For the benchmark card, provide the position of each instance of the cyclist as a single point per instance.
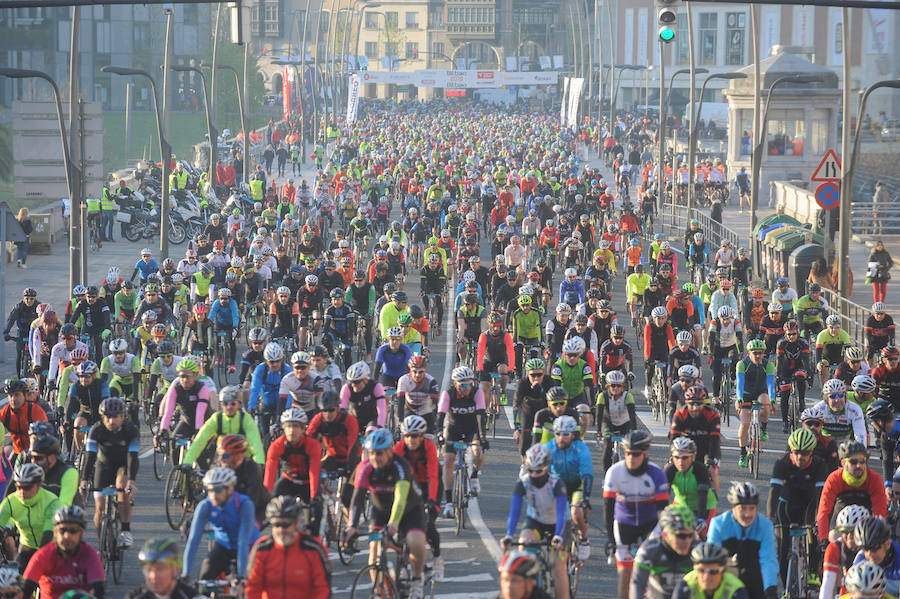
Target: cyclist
(198, 333)
(881, 415)
(873, 536)
(96, 319)
(231, 419)
(64, 564)
(855, 483)
(726, 335)
(722, 297)
(784, 296)
(61, 355)
(365, 393)
(662, 561)
(339, 325)
(309, 302)
(615, 354)
(189, 393)
(18, 414)
(253, 356)
(231, 516)
(843, 419)
(826, 447)
(396, 502)
(701, 423)
(709, 578)
(60, 478)
(422, 455)
(324, 369)
(887, 376)
(293, 462)
(470, 321)
(659, 339)
(749, 538)
(771, 328)
(573, 373)
(791, 368)
(161, 564)
(30, 507)
(851, 366)
(797, 481)
(879, 331)
(265, 388)
(225, 317)
(811, 307)
(830, 344)
(118, 371)
(232, 451)
(300, 387)
(635, 490)
(532, 394)
(460, 417)
(839, 555)
(495, 354)
(689, 481)
(389, 315)
(755, 384)
(288, 559)
(526, 328)
(573, 465)
(546, 514)
(361, 297)
(22, 315)
(417, 393)
(688, 376)
(338, 432)
(615, 414)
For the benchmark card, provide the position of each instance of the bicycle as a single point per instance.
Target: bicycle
(755, 440)
(796, 582)
(493, 407)
(795, 408)
(545, 558)
(725, 393)
(659, 400)
(110, 553)
(334, 519)
(460, 495)
(389, 578)
(94, 236)
(183, 488)
(161, 454)
(431, 300)
(215, 589)
(222, 354)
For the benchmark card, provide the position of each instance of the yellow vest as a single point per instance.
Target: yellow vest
(106, 200)
(256, 190)
(178, 180)
(93, 205)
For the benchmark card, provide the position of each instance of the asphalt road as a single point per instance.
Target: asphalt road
(472, 556)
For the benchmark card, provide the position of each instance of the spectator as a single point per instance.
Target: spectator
(22, 246)
(269, 157)
(819, 274)
(880, 198)
(880, 264)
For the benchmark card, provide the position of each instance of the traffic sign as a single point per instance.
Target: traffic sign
(828, 195)
(829, 168)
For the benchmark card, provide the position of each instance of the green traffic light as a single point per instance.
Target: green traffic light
(666, 34)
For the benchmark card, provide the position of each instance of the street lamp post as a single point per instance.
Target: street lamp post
(165, 150)
(617, 79)
(240, 98)
(73, 177)
(692, 141)
(663, 105)
(210, 126)
(849, 171)
(757, 153)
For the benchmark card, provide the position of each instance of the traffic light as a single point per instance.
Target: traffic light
(667, 19)
(415, 53)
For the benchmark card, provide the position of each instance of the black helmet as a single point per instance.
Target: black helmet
(67, 330)
(319, 351)
(166, 347)
(871, 532)
(283, 506)
(742, 493)
(112, 406)
(637, 439)
(399, 296)
(46, 444)
(557, 394)
(851, 447)
(880, 409)
(70, 514)
(709, 553)
(416, 311)
(328, 400)
(814, 287)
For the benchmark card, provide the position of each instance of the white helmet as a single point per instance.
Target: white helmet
(462, 373)
(395, 332)
(571, 272)
(117, 345)
(684, 337)
(294, 414)
(573, 345)
(865, 578)
(659, 311)
(10, 578)
(413, 424)
(689, 370)
(833, 386)
(537, 457)
(273, 352)
(615, 377)
(468, 276)
(220, 477)
(726, 312)
(358, 371)
(850, 516)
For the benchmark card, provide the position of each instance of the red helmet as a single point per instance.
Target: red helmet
(726, 284)
(200, 309)
(695, 392)
(232, 444)
(890, 351)
(218, 243)
(417, 363)
(758, 293)
(121, 182)
(534, 276)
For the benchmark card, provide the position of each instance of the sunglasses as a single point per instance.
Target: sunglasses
(151, 294)
(418, 371)
(634, 453)
(283, 524)
(215, 489)
(562, 434)
(619, 385)
(838, 395)
(801, 453)
(710, 571)
(66, 530)
(573, 355)
(686, 379)
(558, 404)
(757, 352)
(813, 423)
(695, 403)
(38, 458)
(186, 376)
(26, 487)
(413, 435)
(536, 375)
(684, 535)
(67, 337)
(537, 470)
(855, 361)
(301, 366)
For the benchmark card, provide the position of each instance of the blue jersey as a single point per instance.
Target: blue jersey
(394, 364)
(265, 384)
(573, 465)
(636, 497)
(754, 547)
(145, 269)
(571, 291)
(225, 316)
(234, 528)
(891, 570)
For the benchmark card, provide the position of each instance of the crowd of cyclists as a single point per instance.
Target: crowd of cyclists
(283, 353)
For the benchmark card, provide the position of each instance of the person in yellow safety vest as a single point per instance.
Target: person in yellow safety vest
(93, 215)
(257, 190)
(178, 180)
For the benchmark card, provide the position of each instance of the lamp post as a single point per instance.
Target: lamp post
(73, 176)
(849, 171)
(700, 71)
(210, 127)
(165, 150)
(240, 98)
(757, 152)
(618, 78)
(692, 141)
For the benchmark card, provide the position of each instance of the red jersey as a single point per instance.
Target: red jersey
(338, 436)
(56, 574)
(300, 464)
(17, 423)
(424, 462)
(836, 486)
(276, 572)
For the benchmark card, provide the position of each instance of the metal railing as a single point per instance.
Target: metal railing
(674, 219)
(716, 232)
(868, 220)
(853, 316)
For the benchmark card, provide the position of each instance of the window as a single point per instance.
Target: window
(786, 132)
(435, 19)
(412, 50)
(819, 134)
(437, 48)
(452, 15)
(682, 50)
(746, 139)
(372, 20)
(708, 33)
(412, 20)
(272, 22)
(141, 37)
(391, 20)
(371, 49)
(255, 12)
(101, 38)
(734, 35)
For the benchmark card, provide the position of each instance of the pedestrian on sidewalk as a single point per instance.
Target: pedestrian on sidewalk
(880, 199)
(880, 264)
(820, 274)
(22, 246)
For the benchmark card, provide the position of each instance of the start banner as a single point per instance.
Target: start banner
(473, 78)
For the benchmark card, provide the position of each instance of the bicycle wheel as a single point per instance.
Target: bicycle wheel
(382, 588)
(176, 501)
(105, 556)
(459, 489)
(754, 450)
(792, 579)
(573, 569)
(116, 557)
(725, 398)
(159, 462)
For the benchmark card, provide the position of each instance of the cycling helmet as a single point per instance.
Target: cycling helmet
(161, 551)
(112, 406)
(318, 351)
(726, 312)
(300, 357)
(684, 337)
(328, 401)
(335, 293)
(689, 370)
(396, 332)
(28, 474)
(40, 427)
(865, 578)
(756, 345)
(224, 293)
(791, 326)
(890, 351)
(615, 377)
(594, 293)
(312, 280)
(416, 311)
(813, 287)
(462, 373)
(188, 364)
(79, 290)
(520, 563)
(581, 319)
(70, 514)
(284, 507)
(46, 444)
(294, 414)
(468, 276)
(676, 517)
(537, 457)
(573, 345)
(853, 353)
(118, 345)
(782, 282)
(604, 304)
(727, 284)
(534, 364)
(741, 493)
(401, 297)
(758, 293)
(557, 394)
(833, 386)
(683, 445)
(283, 290)
(802, 439)
(199, 309)
(358, 371)
(871, 532)
(220, 477)
(637, 439)
(233, 444)
(659, 312)
(86, 368)
(850, 516)
(688, 288)
(78, 354)
(76, 594)
(68, 330)
(617, 331)
(378, 439)
(206, 269)
(31, 292)
(565, 424)
(851, 447)
(31, 385)
(571, 272)
(709, 553)
(880, 409)
(665, 245)
(417, 363)
(878, 307)
(257, 335)
(833, 320)
(813, 414)
(273, 352)
(413, 425)
(697, 392)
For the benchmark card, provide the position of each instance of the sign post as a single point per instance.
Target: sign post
(828, 193)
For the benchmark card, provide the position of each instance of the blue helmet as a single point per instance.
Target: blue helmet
(635, 242)
(379, 439)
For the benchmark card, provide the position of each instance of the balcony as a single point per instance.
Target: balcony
(471, 19)
(471, 31)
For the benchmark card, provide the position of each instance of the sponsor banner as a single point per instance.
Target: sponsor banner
(429, 78)
(459, 79)
(478, 78)
(287, 77)
(574, 100)
(563, 105)
(352, 99)
(528, 78)
(456, 79)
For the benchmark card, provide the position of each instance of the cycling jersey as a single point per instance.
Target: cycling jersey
(573, 465)
(755, 379)
(888, 385)
(368, 404)
(461, 411)
(292, 390)
(545, 500)
(635, 286)
(842, 425)
(338, 437)
(572, 378)
(637, 496)
(84, 400)
(277, 572)
(392, 363)
(234, 528)
(658, 569)
(220, 424)
(838, 558)
(494, 350)
(392, 490)
(471, 321)
(266, 385)
(615, 356)
(705, 431)
(679, 358)
(56, 573)
(815, 308)
(795, 489)
(122, 372)
(841, 490)
(785, 299)
(753, 547)
(193, 402)
(526, 325)
(424, 462)
(112, 450)
(299, 463)
(420, 398)
(722, 336)
(879, 333)
(693, 489)
(720, 299)
(731, 587)
(33, 517)
(831, 347)
(615, 411)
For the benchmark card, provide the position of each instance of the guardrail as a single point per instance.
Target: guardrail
(674, 218)
(867, 219)
(853, 316)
